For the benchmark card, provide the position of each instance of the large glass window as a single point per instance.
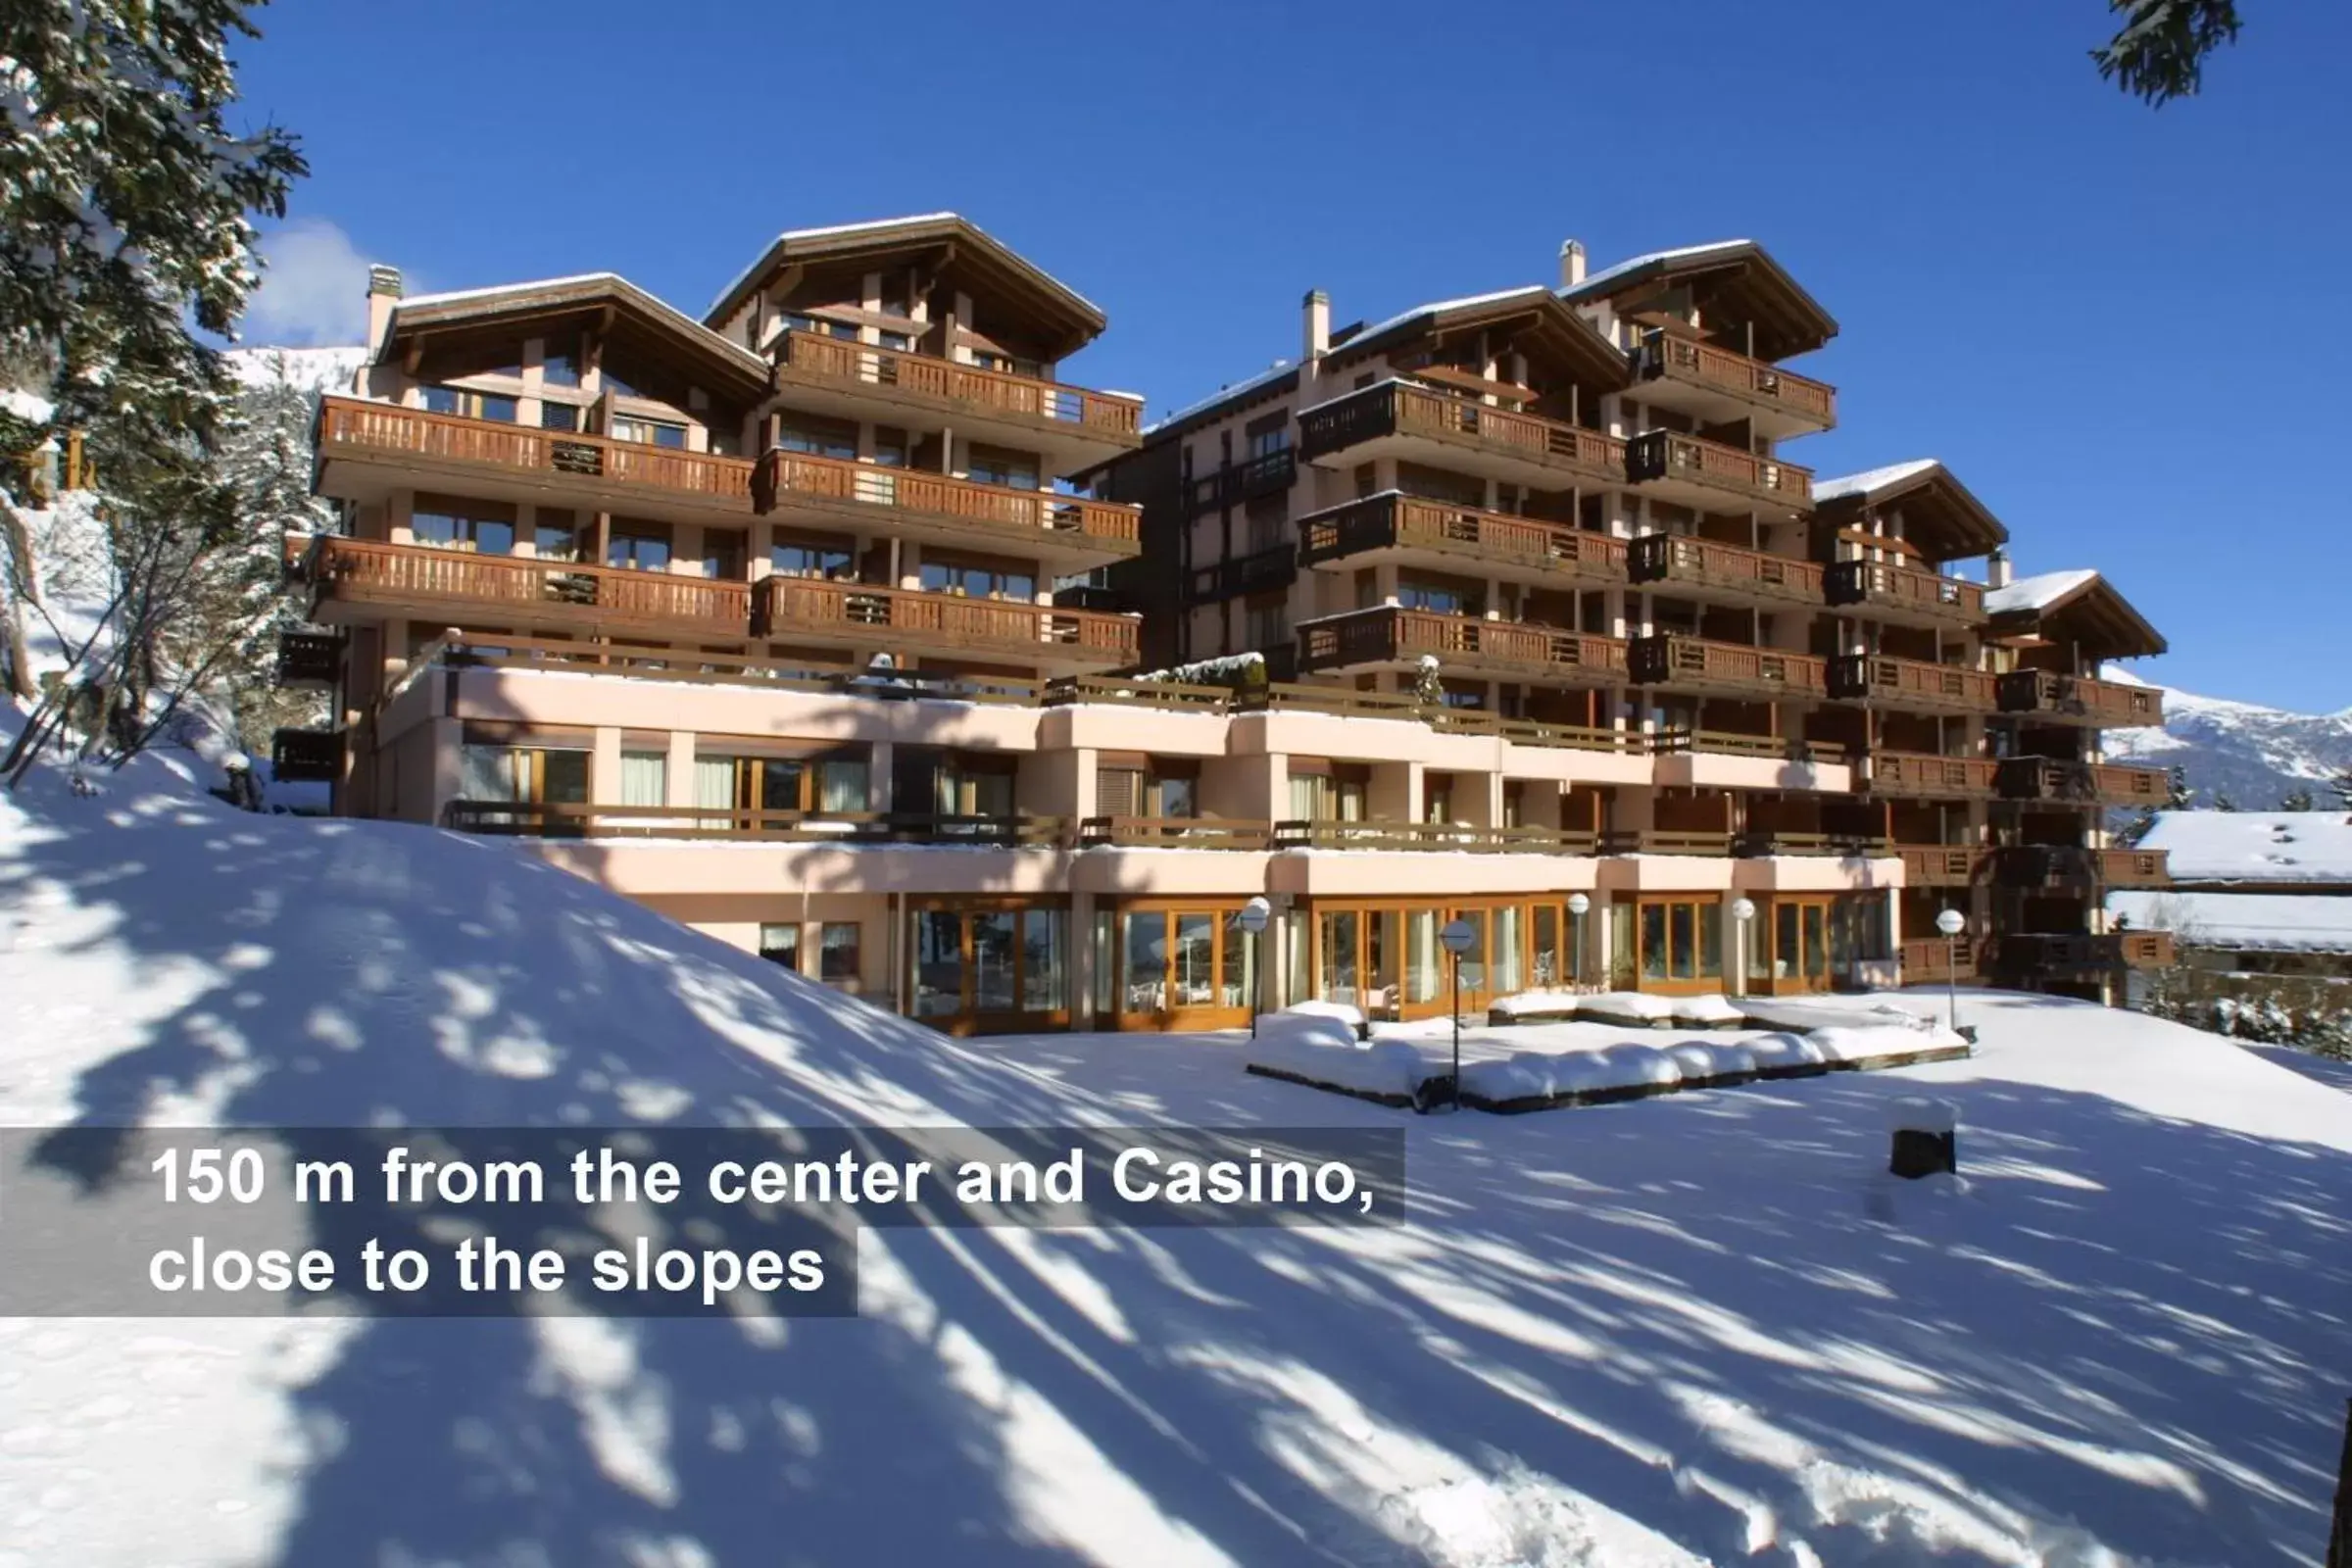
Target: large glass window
(978, 581)
(837, 952)
(644, 778)
(817, 437)
(1192, 975)
(561, 362)
(812, 558)
(781, 944)
(1440, 598)
(996, 465)
(1338, 938)
(448, 523)
(1043, 964)
(554, 533)
(648, 432)
(637, 549)
(995, 966)
(470, 405)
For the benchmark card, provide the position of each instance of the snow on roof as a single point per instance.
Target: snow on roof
(2254, 847)
(660, 307)
(2272, 922)
(446, 296)
(1466, 302)
(1685, 252)
(1870, 479)
(1274, 372)
(2037, 592)
(880, 226)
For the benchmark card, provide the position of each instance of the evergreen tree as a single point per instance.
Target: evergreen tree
(2340, 784)
(125, 232)
(2159, 52)
(2221, 801)
(2297, 799)
(2177, 796)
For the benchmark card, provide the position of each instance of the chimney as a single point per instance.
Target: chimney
(1996, 570)
(1317, 341)
(383, 292)
(1572, 263)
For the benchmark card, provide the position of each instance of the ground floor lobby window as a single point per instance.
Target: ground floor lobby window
(1173, 964)
(1385, 957)
(988, 965)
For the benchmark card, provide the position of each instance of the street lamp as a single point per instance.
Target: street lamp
(1456, 937)
(1951, 922)
(1744, 915)
(1252, 919)
(1577, 903)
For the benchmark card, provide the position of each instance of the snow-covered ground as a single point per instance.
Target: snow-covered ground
(1700, 1329)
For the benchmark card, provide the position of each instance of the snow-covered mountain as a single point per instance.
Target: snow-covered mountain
(2253, 755)
(328, 369)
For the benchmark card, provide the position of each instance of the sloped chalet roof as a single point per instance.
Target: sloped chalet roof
(1732, 278)
(1538, 321)
(626, 313)
(2079, 607)
(1941, 519)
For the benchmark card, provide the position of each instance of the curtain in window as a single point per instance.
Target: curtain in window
(644, 778)
(1305, 796)
(714, 782)
(840, 786)
(486, 773)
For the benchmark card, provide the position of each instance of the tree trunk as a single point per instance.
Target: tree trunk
(20, 589)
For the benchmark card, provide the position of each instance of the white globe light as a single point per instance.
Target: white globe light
(1951, 922)
(1743, 911)
(1254, 915)
(1577, 903)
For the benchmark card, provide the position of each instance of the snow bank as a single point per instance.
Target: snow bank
(1335, 1021)
(1713, 1061)
(1713, 1008)
(1622, 1071)
(1627, 1007)
(1921, 1115)
(1389, 1071)
(1527, 1006)
(1856, 1044)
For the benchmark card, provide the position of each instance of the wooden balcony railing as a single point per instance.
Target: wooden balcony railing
(1013, 515)
(1910, 683)
(535, 819)
(1723, 743)
(310, 755)
(1397, 408)
(2031, 954)
(1383, 521)
(1671, 660)
(1920, 775)
(1905, 590)
(1390, 634)
(1664, 840)
(1938, 960)
(1174, 833)
(2144, 949)
(2134, 868)
(1234, 483)
(2078, 700)
(1758, 843)
(375, 571)
(1944, 866)
(308, 659)
(1458, 837)
(1679, 359)
(353, 426)
(2054, 779)
(1687, 458)
(788, 608)
(990, 392)
(1234, 577)
(701, 666)
(2061, 866)
(1703, 563)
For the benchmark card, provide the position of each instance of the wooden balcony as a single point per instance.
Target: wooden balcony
(1414, 531)
(1459, 838)
(1910, 684)
(1903, 594)
(1727, 573)
(1174, 833)
(1939, 960)
(1731, 669)
(1944, 866)
(367, 448)
(2144, 949)
(1236, 483)
(1070, 530)
(1720, 387)
(2078, 955)
(1917, 775)
(2062, 867)
(305, 756)
(308, 659)
(1762, 843)
(535, 819)
(2058, 781)
(363, 579)
(1665, 841)
(1259, 572)
(2049, 698)
(2134, 868)
(1707, 475)
(1073, 426)
(1390, 636)
(908, 623)
(1401, 419)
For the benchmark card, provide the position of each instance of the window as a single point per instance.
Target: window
(722, 555)
(650, 432)
(898, 341)
(524, 774)
(819, 325)
(1440, 598)
(559, 417)
(468, 405)
(897, 293)
(554, 533)
(811, 558)
(781, 944)
(817, 437)
(1682, 939)
(891, 446)
(1439, 484)
(451, 523)
(637, 549)
(560, 366)
(1266, 623)
(644, 778)
(1437, 798)
(1006, 363)
(978, 581)
(837, 961)
(826, 784)
(1017, 470)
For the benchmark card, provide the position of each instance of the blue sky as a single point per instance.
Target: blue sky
(2118, 325)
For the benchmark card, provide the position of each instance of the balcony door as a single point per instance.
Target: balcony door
(1182, 967)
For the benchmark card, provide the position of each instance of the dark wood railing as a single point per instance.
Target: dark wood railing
(1390, 634)
(349, 425)
(1703, 563)
(1884, 585)
(1175, 833)
(1000, 509)
(1672, 659)
(2079, 699)
(699, 667)
(1725, 742)
(1681, 358)
(1670, 454)
(371, 569)
(535, 819)
(2044, 778)
(1325, 834)
(1664, 840)
(1910, 683)
(312, 756)
(2066, 865)
(1758, 842)
(1939, 960)
(1944, 866)
(1922, 774)
(1397, 407)
(815, 355)
(2032, 954)
(1383, 521)
(786, 608)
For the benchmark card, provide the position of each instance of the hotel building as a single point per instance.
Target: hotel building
(835, 624)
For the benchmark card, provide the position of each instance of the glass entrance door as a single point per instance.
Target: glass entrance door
(986, 968)
(1800, 944)
(1183, 968)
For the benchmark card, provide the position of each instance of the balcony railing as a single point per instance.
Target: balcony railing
(371, 570)
(349, 425)
(2033, 953)
(1727, 743)
(308, 659)
(1678, 359)
(1665, 841)
(813, 355)
(1944, 866)
(1013, 517)
(312, 756)
(1259, 571)
(1397, 407)
(535, 819)
(1174, 833)
(2078, 700)
(1757, 843)
(1697, 664)
(1910, 683)
(1920, 775)
(1267, 473)
(1937, 961)
(1390, 634)
(1669, 455)
(1443, 837)
(2064, 866)
(1386, 521)
(792, 607)
(2043, 778)
(1732, 571)
(1904, 591)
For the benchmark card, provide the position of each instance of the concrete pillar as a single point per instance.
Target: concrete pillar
(678, 781)
(603, 767)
